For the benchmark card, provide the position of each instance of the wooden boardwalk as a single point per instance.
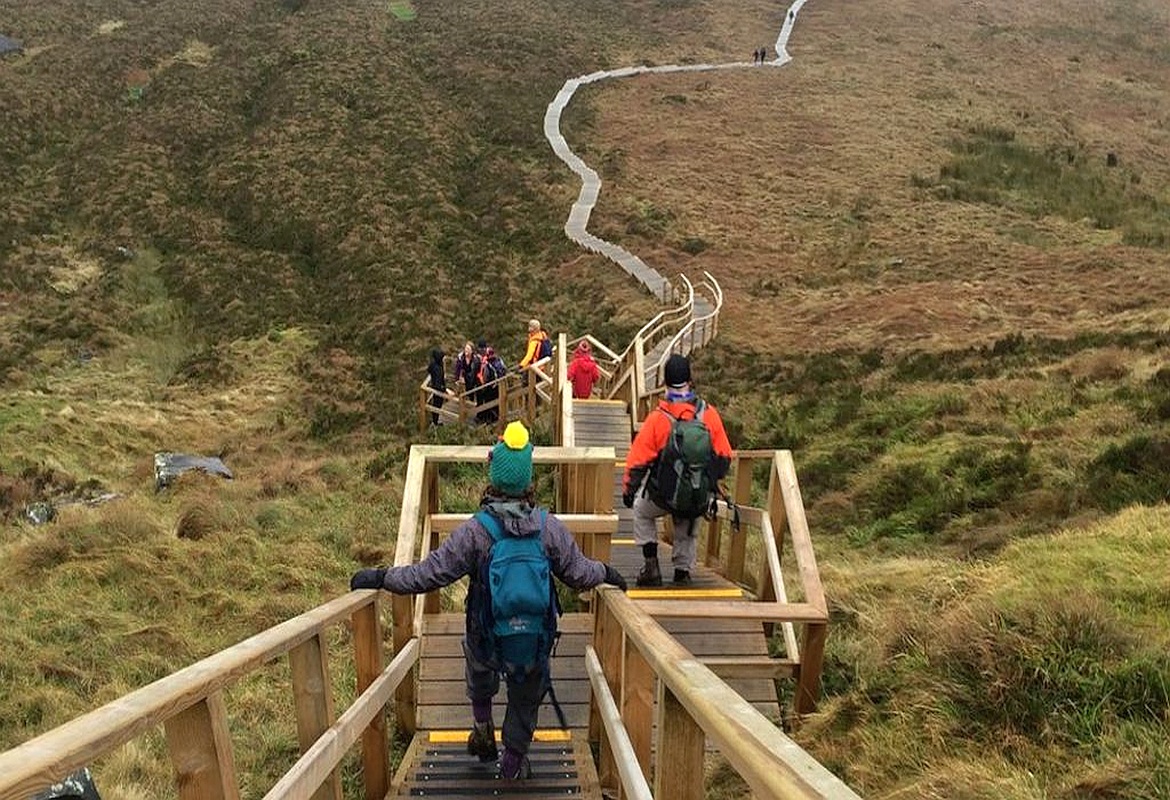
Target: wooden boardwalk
(438, 764)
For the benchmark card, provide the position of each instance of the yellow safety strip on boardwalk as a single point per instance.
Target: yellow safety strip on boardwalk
(458, 737)
(621, 541)
(682, 594)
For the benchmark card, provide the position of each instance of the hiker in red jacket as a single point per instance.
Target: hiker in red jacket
(583, 371)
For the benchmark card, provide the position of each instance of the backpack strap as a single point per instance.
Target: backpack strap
(491, 524)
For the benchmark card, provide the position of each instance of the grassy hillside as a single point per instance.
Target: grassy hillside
(942, 235)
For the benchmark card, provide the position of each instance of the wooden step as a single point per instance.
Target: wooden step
(437, 765)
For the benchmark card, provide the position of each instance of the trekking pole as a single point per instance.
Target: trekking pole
(731, 506)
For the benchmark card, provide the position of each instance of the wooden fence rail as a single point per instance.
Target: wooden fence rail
(657, 683)
(190, 706)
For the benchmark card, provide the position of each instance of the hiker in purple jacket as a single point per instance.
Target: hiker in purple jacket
(509, 499)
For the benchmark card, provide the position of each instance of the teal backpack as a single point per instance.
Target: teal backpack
(522, 610)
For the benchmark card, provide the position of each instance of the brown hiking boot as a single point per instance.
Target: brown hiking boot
(651, 574)
(682, 577)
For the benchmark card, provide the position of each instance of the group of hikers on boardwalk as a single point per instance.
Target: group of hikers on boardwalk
(511, 548)
(478, 368)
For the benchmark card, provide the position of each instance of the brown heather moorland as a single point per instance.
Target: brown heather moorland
(940, 295)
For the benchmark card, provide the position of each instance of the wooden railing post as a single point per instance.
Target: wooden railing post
(406, 695)
(638, 703)
(812, 661)
(367, 646)
(502, 403)
(767, 590)
(201, 751)
(423, 419)
(602, 481)
(607, 641)
(313, 702)
(679, 772)
(430, 504)
(737, 547)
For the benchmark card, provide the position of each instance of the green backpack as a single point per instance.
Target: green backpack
(681, 480)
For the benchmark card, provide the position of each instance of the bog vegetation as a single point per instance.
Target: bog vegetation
(236, 228)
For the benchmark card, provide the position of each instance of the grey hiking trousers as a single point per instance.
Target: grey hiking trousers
(524, 698)
(646, 514)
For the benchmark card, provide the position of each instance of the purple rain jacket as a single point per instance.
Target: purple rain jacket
(466, 549)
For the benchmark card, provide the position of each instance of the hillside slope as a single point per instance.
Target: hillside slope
(941, 231)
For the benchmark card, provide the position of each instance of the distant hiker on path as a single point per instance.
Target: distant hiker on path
(583, 371)
(437, 383)
(491, 370)
(536, 349)
(507, 521)
(467, 371)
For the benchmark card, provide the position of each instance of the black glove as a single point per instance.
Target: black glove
(633, 484)
(368, 578)
(614, 578)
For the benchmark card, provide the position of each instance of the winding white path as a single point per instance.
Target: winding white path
(576, 227)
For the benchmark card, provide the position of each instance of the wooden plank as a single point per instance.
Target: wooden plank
(808, 690)
(679, 773)
(571, 645)
(452, 623)
(590, 523)
(313, 704)
(753, 680)
(447, 454)
(403, 634)
(569, 690)
(766, 612)
(201, 751)
(459, 716)
(367, 642)
(749, 667)
(637, 703)
(452, 668)
(798, 527)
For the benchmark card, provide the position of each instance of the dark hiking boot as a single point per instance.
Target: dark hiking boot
(651, 574)
(515, 767)
(682, 577)
(482, 742)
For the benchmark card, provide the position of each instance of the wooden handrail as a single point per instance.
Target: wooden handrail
(772, 764)
(319, 761)
(61, 751)
(577, 523)
(618, 739)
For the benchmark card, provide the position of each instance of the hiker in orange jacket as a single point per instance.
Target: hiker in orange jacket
(639, 489)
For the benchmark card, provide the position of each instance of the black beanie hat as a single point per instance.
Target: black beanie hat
(677, 372)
